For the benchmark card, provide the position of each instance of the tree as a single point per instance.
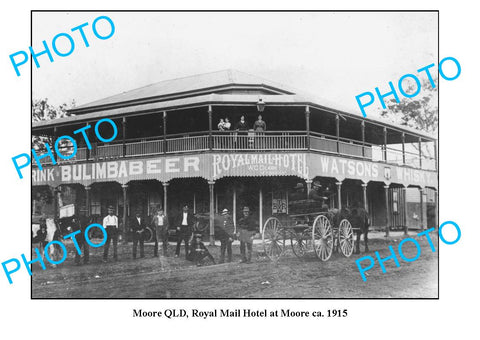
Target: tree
(419, 112)
(42, 110)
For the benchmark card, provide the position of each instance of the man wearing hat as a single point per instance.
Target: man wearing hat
(160, 221)
(185, 223)
(110, 223)
(316, 194)
(198, 251)
(247, 231)
(137, 227)
(226, 235)
(79, 224)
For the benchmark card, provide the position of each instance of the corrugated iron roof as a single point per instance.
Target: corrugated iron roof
(185, 85)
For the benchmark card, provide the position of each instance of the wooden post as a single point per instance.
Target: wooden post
(364, 190)
(307, 125)
(92, 154)
(362, 125)
(87, 200)
(87, 150)
(385, 144)
(165, 190)
(309, 187)
(387, 211)
(194, 204)
(339, 194)
(403, 147)
(210, 127)
(420, 151)
(422, 226)
(124, 217)
(124, 131)
(165, 136)
(234, 212)
(211, 185)
(337, 125)
(55, 135)
(260, 208)
(405, 209)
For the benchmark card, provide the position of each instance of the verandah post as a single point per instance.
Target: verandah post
(212, 212)
(124, 216)
(307, 125)
(387, 211)
(210, 127)
(165, 135)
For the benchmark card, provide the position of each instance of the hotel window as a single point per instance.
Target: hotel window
(95, 207)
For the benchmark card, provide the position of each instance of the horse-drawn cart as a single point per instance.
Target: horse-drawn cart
(308, 229)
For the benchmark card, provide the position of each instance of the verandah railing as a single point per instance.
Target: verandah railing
(249, 141)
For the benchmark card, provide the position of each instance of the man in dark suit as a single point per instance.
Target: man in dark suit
(80, 224)
(226, 235)
(184, 224)
(137, 226)
(247, 231)
(317, 195)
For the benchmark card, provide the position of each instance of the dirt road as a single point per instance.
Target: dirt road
(169, 277)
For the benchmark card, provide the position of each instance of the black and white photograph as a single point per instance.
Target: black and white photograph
(231, 161)
(229, 170)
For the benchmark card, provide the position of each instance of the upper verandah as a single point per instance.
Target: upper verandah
(227, 87)
(171, 116)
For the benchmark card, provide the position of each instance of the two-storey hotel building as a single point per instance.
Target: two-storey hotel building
(169, 152)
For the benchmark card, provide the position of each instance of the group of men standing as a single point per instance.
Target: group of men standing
(227, 234)
(186, 232)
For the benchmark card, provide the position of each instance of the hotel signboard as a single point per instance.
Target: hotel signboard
(213, 166)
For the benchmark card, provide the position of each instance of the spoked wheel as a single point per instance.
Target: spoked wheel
(322, 238)
(345, 238)
(147, 234)
(273, 238)
(301, 242)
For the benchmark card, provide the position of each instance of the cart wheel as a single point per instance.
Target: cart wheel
(147, 234)
(273, 238)
(322, 238)
(345, 237)
(300, 242)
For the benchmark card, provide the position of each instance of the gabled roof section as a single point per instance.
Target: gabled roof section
(200, 84)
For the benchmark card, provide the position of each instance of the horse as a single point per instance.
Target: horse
(45, 232)
(358, 218)
(360, 221)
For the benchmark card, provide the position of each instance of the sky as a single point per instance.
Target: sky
(331, 55)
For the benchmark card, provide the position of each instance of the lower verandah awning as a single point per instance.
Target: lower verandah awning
(213, 166)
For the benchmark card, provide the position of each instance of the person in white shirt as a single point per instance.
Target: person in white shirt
(110, 223)
(160, 221)
(184, 230)
(227, 124)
